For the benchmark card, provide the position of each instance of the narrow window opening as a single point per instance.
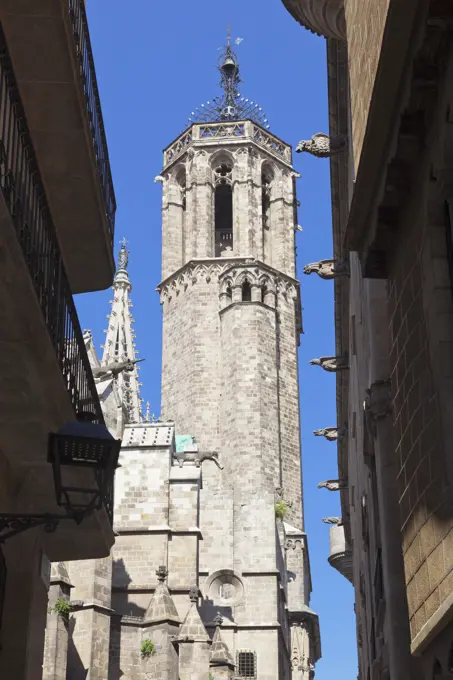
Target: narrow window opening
(223, 209)
(266, 199)
(450, 659)
(263, 293)
(229, 293)
(246, 292)
(246, 665)
(437, 669)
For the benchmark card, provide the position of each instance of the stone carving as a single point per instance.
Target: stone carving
(331, 433)
(328, 269)
(293, 543)
(333, 484)
(322, 146)
(224, 588)
(123, 255)
(229, 275)
(377, 404)
(336, 521)
(197, 457)
(114, 369)
(159, 178)
(332, 364)
(162, 573)
(218, 620)
(194, 594)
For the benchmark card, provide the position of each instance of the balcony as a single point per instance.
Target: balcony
(340, 557)
(46, 375)
(49, 45)
(323, 17)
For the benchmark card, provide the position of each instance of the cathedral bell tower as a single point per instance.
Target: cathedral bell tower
(231, 327)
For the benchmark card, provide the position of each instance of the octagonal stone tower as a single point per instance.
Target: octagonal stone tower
(231, 326)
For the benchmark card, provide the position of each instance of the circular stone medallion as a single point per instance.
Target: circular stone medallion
(224, 588)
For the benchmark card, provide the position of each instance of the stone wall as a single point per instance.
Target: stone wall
(365, 23)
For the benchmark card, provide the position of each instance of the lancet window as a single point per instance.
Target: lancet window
(266, 180)
(223, 208)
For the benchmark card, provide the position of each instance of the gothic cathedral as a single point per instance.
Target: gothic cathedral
(209, 578)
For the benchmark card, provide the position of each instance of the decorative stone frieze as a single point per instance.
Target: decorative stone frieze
(322, 146)
(332, 364)
(333, 484)
(328, 269)
(331, 433)
(229, 274)
(323, 17)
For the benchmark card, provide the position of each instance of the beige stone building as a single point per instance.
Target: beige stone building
(390, 67)
(210, 575)
(57, 212)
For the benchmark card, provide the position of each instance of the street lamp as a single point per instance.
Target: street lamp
(79, 444)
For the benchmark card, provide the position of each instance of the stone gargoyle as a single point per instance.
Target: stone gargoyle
(338, 521)
(328, 269)
(333, 485)
(330, 433)
(114, 369)
(332, 364)
(197, 457)
(322, 146)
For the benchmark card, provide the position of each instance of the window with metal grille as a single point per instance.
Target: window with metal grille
(246, 665)
(2, 583)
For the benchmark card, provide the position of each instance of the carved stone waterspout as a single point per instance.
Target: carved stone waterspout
(332, 364)
(337, 521)
(328, 269)
(331, 433)
(322, 146)
(114, 369)
(333, 484)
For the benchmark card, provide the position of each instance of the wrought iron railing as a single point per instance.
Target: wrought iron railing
(23, 192)
(84, 56)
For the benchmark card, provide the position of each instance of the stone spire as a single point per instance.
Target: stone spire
(220, 654)
(120, 340)
(161, 607)
(193, 628)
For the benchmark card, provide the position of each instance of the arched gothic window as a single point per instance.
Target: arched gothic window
(223, 208)
(266, 179)
(246, 291)
(450, 659)
(181, 180)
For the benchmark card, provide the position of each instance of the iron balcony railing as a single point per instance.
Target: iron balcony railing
(23, 192)
(84, 55)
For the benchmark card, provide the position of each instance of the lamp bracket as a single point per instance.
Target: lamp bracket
(13, 524)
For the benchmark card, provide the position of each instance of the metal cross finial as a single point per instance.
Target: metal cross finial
(229, 35)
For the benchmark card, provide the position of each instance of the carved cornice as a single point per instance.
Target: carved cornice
(323, 17)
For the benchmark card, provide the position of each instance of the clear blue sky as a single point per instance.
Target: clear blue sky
(155, 62)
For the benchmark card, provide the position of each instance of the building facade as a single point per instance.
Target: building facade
(57, 212)
(389, 71)
(209, 576)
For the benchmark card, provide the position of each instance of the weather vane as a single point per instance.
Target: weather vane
(230, 105)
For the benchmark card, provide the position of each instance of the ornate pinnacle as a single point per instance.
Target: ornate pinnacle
(162, 573)
(194, 593)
